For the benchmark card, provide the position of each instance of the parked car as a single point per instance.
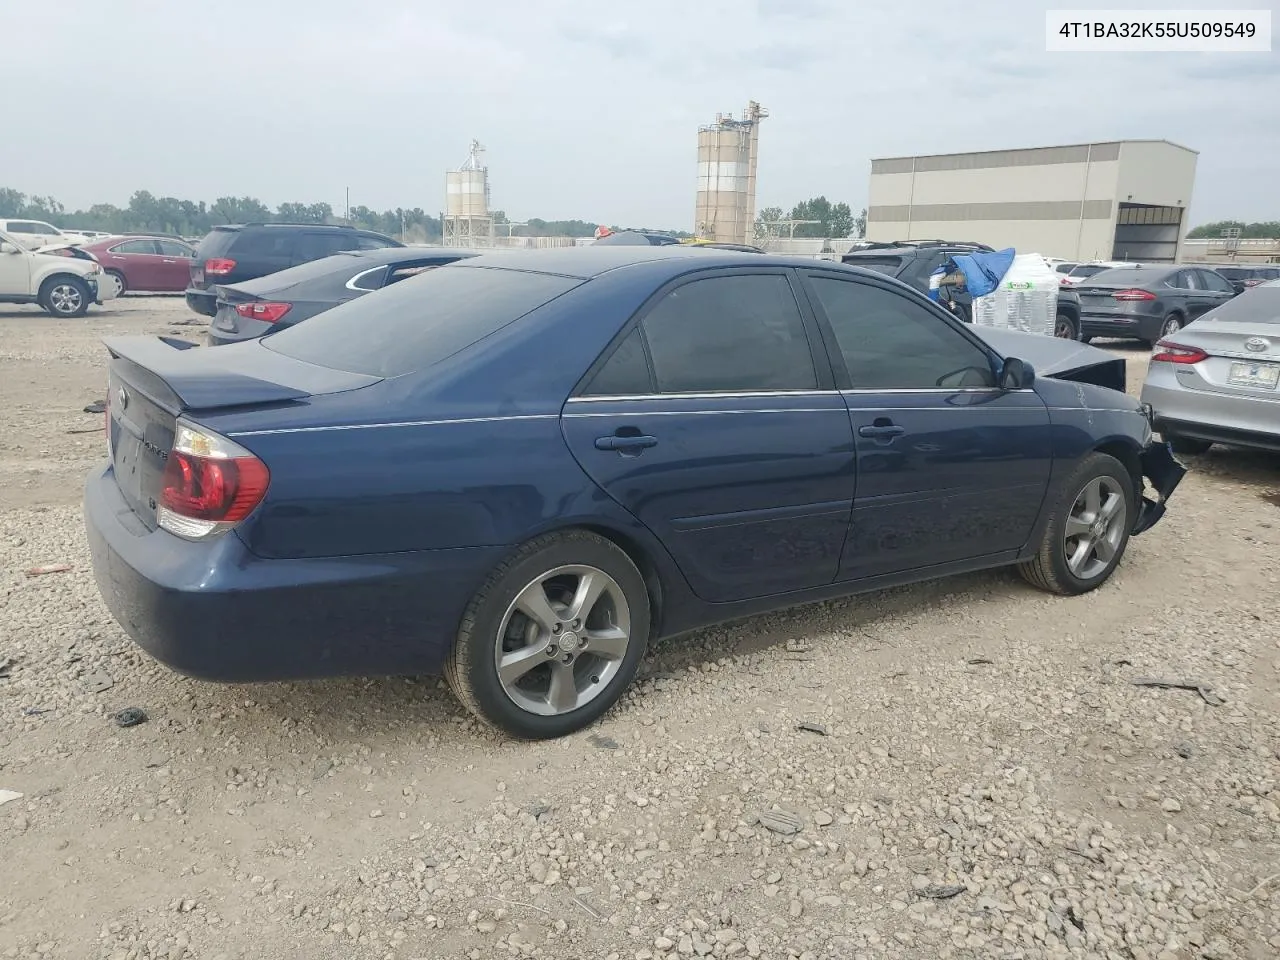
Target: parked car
(144, 263)
(1083, 271)
(524, 468)
(1217, 380)
(913, 261)
(1147, 303)
(636, 238)
(63, 285)
(36, 233)
(255, 307)
(238, 252)
(1243, 276)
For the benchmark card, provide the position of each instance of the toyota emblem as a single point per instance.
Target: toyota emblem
(1257, 344)
(122, 398)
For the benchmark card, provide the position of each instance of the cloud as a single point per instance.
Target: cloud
(587, 110)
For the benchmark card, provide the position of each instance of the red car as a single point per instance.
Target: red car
(151, 264)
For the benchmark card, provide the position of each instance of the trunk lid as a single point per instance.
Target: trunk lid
(152, 381)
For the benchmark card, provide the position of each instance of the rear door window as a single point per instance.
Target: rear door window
(417, 323)
(730, 334)
(174, 248)
(313, 246)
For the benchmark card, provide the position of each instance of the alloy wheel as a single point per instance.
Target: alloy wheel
(1095, 527)
(562, 640)
(65, 299)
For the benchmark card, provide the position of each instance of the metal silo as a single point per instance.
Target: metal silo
(467, 221)
(726, 201)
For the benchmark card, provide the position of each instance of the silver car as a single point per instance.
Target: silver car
(1217, 380)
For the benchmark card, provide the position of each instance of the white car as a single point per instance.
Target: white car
(37, 233)
(1083, 271)
(64, 285)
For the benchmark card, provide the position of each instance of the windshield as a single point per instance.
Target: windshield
(1128, 276)
(418, 322)
(1259, 305)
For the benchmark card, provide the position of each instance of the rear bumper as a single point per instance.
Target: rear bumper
(1164, 473)
(1202, 414)
(1132, 326)
(203, 302)
(215, 611)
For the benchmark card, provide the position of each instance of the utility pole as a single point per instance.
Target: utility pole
(346, 209)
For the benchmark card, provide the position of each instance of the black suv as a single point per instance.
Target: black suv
(237, 252)
(912, 262)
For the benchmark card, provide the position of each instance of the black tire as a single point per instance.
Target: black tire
(1189, 445)
(1066, 328)
(1171, 325)
(118, 277)
(65, 296)
(471, 668)
(1049, 568)
(1085, 338)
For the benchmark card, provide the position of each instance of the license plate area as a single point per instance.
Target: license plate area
(197, 275)
(1259, 376)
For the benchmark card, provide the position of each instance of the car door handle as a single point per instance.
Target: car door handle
(626, 443)
(882, 431)
(167, 261)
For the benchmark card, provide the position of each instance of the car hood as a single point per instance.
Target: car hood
(1058, 358)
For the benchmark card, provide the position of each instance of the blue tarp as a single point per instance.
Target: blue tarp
(984, 271)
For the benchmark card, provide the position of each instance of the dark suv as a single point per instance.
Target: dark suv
(237, 252)
(912, 262)
(1243, 276)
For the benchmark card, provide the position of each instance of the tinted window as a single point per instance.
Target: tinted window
(172, 248)
(365, 241)
(419, 322)
(1065, 267)
(1214, 282)
(1233, 273)
(625, 373)
(368, 279)
(1130, 277)
(1184, 280)
(890, 342)
(1088, 271)
(260, 243)
(738, 333)
(313, 246)
(135, 246)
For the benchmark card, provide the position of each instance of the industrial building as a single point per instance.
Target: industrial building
(1122, 200)
(725, 208)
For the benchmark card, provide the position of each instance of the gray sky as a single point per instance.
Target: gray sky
(587, 109)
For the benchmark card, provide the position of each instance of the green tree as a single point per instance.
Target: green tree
(860, 224)
(834, 220)
(1258, 230)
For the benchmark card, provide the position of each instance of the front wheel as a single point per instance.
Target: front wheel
(65, 297)
(1088, 528)
(1065, 328)
(553, 638)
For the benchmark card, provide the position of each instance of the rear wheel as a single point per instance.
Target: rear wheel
(1066, 328)
(1189, 445)
(553, 638)
(1088, 528)
(122, 286)
(1172, 324)
(65, 296)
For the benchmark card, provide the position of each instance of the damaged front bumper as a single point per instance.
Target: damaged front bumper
(1163, 472)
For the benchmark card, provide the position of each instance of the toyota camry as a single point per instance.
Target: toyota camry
(523, 469)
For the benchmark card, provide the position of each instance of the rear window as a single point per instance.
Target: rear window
(1127, 275)
(1259, 305)
(1089, 271)
(418, 322)
(889, 265)
(216, 243)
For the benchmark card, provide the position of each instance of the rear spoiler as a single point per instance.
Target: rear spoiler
(166, 369)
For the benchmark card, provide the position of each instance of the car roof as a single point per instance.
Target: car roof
(584, 263)
(376, 258)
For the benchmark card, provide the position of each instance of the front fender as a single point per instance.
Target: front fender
(1163, 471)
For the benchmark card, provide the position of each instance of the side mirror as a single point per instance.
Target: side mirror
(1016, 374)
(7, 247)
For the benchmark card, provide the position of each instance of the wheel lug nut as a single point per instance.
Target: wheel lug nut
(582, 641)
(568, 658)
(551, 650)
(557, 628)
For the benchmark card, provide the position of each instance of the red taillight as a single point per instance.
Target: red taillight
(267, 312)
(1171, 352)
(209, 484)
(1251, 283)
(1133, 295)
(218, 267)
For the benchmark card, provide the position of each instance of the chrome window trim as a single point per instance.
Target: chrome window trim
(350, 284)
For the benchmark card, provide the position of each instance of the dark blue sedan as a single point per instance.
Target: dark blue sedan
(524, 468)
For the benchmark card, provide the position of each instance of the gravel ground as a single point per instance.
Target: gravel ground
(958, 769)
